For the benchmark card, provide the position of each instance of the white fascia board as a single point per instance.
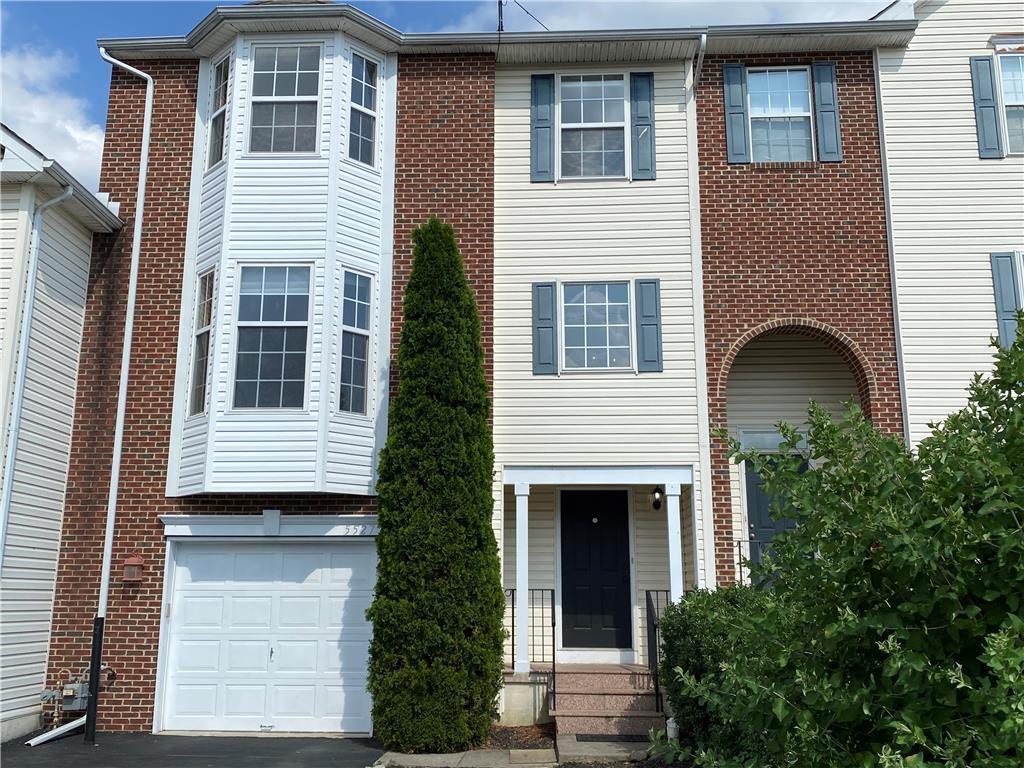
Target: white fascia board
(597, 475)
(271, 524)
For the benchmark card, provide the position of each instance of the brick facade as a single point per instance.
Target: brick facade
(795, 247)
(133, 617)
(444, 167)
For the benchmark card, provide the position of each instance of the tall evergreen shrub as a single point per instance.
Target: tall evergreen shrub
(436, 654)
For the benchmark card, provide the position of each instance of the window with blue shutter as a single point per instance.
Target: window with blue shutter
(648, 325)
(545, 334)
(826, 112)
(737, 140)
(542, 128)
(1005, 281)
(986, 108)
(641, 108)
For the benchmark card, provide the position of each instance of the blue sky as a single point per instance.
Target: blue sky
(54, 84)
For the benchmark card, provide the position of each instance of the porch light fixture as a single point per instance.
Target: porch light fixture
(656, 495)
(131, 572)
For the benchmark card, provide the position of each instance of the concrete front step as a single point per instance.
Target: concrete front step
(614, 700)
(615, 678)
(607, 722)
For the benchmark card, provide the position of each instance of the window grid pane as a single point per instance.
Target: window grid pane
(780, 115)
(364, 83)
(220, 88)
(593, 133)
(354, 369)
(201, 344)
(1012, 75)
(270, 365)
(362, 131)
(280, 73)
(596, 325)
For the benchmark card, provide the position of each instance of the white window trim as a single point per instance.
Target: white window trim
(371, 356)
(195, 333)
(237, 324)
(376, 115)
(560, 324)
(627, 121)
(251, 100)
(809, 114)
(223, 109)
(1004, 124)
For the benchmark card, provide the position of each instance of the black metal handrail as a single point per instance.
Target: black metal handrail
(542, 614)
(657, 600)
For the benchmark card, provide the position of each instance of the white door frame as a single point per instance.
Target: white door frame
(234, 529)
(597, 655)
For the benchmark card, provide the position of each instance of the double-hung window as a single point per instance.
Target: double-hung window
(592, 112)
(221, 75)
(285, 98)
(201, 343)
(780, 114)
(273, 321)
(595, 326)
(362, 128)
(355, 342)
(1011, 75)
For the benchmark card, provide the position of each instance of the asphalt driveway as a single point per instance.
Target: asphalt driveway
(143, 750)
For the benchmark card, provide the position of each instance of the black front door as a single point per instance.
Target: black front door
(595, 570)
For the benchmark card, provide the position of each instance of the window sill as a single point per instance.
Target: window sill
(782, 165)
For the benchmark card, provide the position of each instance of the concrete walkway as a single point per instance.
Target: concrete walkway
(480, 758)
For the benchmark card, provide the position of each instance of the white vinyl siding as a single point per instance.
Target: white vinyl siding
(315, 209)
(773, 379)
(950, 209)
(41, 463)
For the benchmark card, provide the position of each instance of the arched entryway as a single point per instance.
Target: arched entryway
(770, 375)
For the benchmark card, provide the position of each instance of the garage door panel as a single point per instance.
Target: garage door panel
(247, 656)
(299, 612)
(197, 656)
(245, 700)
(250, 612)
(270, 636)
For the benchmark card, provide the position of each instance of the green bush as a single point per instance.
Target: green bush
(894, 634)
(436, 654)
(697, 634)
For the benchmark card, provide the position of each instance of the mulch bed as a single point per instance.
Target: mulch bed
(521, 737)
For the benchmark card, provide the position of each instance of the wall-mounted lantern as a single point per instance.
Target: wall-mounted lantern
(656, 496)
(131, 572)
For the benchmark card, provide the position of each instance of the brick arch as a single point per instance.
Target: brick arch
(834, 339)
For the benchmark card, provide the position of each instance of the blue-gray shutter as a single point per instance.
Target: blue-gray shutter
(737, 127)
(986, 107)
(545, 335)
(826, 112)
(641, 111)
(1004, 280)
(542, 128)
(648, 325)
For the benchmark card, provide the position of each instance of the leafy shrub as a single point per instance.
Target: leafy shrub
(697, 634)
(895, 631)
(435, 658)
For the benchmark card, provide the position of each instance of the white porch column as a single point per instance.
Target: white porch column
(522, 624)
(675, 542)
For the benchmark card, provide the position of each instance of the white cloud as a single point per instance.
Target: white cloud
(641, 14)
(40, 106)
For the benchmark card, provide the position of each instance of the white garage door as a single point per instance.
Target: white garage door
(270, 637)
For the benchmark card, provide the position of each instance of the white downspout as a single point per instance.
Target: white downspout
(122, 395)
(22, 369)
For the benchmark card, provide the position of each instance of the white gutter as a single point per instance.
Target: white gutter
(700, 60)
(22, 369)
(60, 730)
(122, 396)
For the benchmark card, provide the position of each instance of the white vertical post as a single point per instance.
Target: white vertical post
(675, 541)
(522, 627)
